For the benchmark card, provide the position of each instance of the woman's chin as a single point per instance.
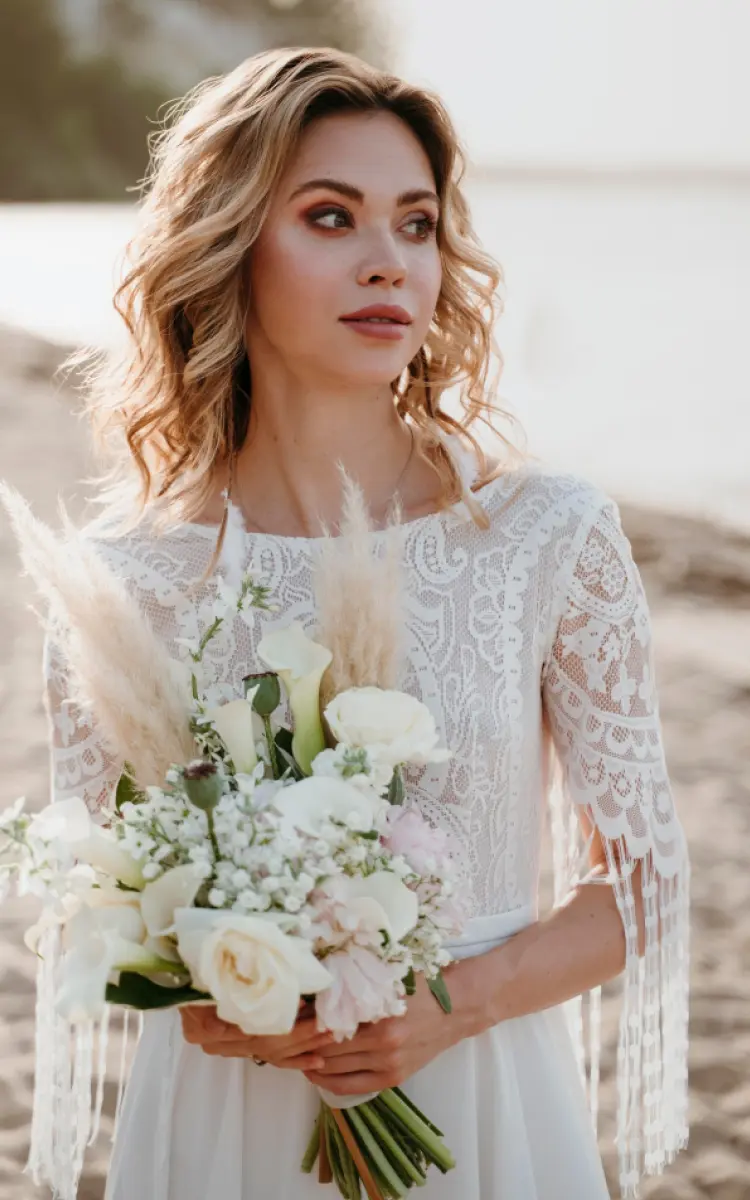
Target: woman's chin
(378, 369)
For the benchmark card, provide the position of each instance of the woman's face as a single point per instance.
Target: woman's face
(352, 226)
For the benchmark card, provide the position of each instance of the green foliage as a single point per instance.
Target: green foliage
(75, 127)
(136, 991)
(70, 128)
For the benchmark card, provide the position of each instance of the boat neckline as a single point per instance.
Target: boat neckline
(457, 510)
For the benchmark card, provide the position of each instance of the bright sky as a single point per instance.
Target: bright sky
(622, 82)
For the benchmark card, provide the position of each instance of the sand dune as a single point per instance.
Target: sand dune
(698, 579)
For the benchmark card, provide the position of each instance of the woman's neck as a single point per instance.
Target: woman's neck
(285, 476)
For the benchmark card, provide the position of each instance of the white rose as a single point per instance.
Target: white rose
(310, 803)
(380, 901)
(255, 972)
(393, 726)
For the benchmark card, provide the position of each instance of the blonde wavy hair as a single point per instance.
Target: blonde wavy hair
(172, 404)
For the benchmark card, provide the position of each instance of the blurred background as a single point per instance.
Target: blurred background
(610, 175)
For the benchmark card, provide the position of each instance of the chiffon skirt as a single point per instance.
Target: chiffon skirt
(510, 1103)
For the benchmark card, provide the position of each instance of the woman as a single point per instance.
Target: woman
(305, 285)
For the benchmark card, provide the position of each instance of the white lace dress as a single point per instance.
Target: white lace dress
(530, 643)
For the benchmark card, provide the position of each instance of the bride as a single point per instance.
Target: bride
(304, 286)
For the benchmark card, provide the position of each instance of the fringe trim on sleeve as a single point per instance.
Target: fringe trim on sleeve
(65, 1118)
(652, 1119)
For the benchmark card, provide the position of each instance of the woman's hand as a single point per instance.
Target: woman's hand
(385, 1054)
(299, 1050)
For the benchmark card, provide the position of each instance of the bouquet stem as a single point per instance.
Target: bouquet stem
(386, 1144)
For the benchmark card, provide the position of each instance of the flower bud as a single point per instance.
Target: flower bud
(202, 784)
(268, 694)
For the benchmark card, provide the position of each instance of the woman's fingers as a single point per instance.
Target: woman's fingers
(201, 1024)
(244, 1049)
(289, 1046)
(346, 1064)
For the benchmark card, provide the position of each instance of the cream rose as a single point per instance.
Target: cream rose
(393, 726)
(310, 803)
(255, 972)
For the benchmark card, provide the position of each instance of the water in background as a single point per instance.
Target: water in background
(624, 336)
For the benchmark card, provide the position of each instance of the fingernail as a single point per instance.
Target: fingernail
(320, 1064)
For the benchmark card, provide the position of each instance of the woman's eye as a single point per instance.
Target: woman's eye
(329, 218)
(423, 227)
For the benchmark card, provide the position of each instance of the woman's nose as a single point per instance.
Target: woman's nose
(383, 264)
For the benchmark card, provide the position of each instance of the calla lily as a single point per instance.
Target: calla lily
(234, 723)
(176, 888)
(307, 804)
(398, 903)
(99, 941)
(103, 851)
(300, 664)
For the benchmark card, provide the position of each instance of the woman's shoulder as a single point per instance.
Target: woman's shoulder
(540, 493)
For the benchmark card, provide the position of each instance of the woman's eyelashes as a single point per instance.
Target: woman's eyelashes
(421, 226)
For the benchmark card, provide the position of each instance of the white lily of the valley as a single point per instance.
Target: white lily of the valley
(398, 905)
(255, 972)
(308, 804)
(300, 664)
(68, 823)
(235, 724)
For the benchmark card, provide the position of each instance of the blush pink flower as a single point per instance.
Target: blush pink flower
(364, 988)
(409, 835)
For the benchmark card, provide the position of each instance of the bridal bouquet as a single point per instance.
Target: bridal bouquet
(271, 865)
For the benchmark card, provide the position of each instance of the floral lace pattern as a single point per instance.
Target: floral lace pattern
(530, 643)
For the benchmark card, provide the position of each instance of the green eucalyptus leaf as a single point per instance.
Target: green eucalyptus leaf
(127, 792)
(136, 991)
(284, 739)
(397, 789)
(439, 989)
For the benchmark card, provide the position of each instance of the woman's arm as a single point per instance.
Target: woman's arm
(579, 945)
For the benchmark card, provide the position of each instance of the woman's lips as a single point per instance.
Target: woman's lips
(376, 327)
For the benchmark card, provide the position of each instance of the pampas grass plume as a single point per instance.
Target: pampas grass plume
(360, 598)
(119, 671)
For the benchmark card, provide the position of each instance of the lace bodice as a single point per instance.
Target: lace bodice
(530, 642)
(541, 615)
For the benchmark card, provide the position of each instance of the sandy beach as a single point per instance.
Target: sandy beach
(698, 579)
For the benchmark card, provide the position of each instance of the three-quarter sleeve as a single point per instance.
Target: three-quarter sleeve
(602, 713)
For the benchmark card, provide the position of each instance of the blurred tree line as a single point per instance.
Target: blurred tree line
(74, 119)
(71, 128)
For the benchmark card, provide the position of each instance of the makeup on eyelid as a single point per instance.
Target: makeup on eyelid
(313, 216)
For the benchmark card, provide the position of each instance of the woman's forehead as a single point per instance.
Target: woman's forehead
(368, 150)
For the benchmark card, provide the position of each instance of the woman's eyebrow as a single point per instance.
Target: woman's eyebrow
(354, 193)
